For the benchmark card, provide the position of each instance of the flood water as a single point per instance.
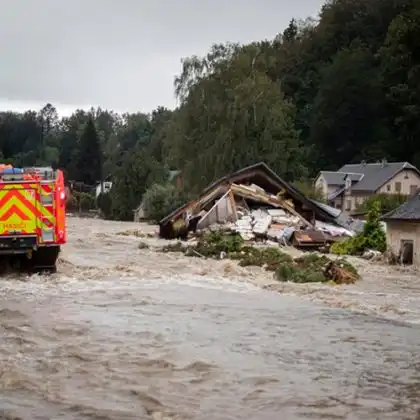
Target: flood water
(125, 333)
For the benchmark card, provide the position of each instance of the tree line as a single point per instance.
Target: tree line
(341, 89)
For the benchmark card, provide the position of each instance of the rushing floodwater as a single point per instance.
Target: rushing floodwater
(123, 333)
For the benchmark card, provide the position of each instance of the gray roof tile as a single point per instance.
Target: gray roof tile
(338, 177)
(375, 174)
(333, 178)
(407, 211)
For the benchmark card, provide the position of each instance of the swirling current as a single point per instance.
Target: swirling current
(125, 332)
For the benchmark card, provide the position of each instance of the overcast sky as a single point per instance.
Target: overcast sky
(120, 55)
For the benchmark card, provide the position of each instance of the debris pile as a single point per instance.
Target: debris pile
(257, 216)
(310, 268)
(274, 224)
(259, 206)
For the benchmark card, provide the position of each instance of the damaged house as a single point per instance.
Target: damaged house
(256, 203)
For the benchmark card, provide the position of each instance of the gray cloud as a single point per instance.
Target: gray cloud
(122, 54)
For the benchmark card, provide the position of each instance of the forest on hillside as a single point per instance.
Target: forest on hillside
(341, 89)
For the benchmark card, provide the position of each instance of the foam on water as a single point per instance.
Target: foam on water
(157, 336)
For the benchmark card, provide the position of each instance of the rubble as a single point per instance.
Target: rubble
(259, 206)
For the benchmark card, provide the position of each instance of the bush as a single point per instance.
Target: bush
(81, 201)
(269, 258)
(160, 200)
(212, 244)
(296, 274)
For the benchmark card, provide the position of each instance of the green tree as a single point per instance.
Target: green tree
(136, 174)
(347, 116)
(90, 155)
(373, 235)
(232, 115)
(321, 93)
(161, 199)
(400, 64)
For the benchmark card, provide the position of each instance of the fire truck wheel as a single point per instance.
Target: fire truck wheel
(44, 259)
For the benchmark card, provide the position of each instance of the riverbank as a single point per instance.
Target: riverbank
(131, 250)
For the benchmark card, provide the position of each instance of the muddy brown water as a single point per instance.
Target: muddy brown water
(127, 333)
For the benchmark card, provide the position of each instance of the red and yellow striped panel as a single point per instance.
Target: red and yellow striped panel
(21, 209)
(22, 186)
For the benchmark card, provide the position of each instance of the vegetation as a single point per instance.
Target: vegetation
(307, 187)
(387, 202)
(321, 94)
(81, 202)
(161, 199)
(314, 268)
(311, 268)
(104, 204)
(372, 238)
(138, 172)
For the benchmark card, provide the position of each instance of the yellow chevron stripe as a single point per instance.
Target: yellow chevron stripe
(19, 204)
(28, 226)
(18, 186)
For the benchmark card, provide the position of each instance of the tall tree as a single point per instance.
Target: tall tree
(348, 121)
(138, 172)
(400, 65)
(232, 115)
(90, 156)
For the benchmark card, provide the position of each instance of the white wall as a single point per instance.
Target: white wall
(107, 187)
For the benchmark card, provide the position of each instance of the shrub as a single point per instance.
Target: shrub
(81, 201)
(212, 244)
(270, 258)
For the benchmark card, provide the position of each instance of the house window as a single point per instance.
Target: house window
(388, 187)
(398, 187)
(406, 252)
(348, 205)
(413, 189)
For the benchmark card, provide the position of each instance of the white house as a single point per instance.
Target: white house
(352, 184)
(107, 185)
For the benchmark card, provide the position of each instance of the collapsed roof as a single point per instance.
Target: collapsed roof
(258, 175)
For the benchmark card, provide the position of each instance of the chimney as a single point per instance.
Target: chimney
(363, 163)
(384, 163)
